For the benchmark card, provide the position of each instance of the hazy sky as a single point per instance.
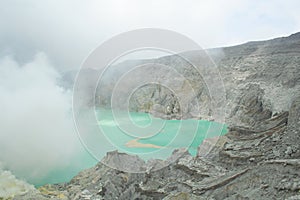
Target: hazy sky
(66, 31)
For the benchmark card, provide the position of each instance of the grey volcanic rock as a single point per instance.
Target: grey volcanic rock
(264, 73)
(271, 68)
(124, 162)
(259, 158)
(250, 110)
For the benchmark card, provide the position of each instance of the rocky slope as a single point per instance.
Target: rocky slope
(262, 73)
(266, 71)
(259, 158)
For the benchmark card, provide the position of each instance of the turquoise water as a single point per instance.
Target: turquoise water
(117, 130)
(64, 174)
(120, 129)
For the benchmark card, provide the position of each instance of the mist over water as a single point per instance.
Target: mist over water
(37, 131)
(38, 139)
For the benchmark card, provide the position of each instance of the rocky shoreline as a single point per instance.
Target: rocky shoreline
(244, 164)
(259, 158)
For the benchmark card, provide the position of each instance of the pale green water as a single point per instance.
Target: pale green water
(171, 134)
(120, 129)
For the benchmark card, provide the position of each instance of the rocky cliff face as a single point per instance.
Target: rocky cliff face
(260, 79)
(263, 73)
(258, 159)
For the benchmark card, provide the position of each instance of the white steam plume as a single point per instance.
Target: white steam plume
(36, 130)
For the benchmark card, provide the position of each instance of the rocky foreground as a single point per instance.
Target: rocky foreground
(245, 164)
(259, 158)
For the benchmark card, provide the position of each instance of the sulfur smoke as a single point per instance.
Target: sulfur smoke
(36, 129)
